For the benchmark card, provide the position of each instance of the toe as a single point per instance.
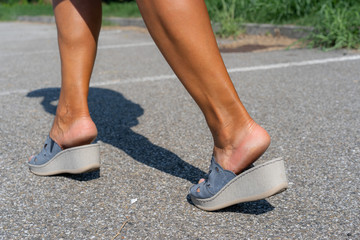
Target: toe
(32, 159)
(194, 189)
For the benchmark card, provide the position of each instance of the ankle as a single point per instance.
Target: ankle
(228, 135)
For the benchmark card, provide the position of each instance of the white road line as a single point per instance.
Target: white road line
(231, 70)
(236, 70)
(28, 53)
(5, 93)
(293, 64)
(134, 80)
(127, 45)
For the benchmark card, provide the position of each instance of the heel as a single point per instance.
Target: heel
(254, 184)
(73, 160)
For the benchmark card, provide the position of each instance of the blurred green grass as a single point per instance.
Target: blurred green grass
(11, 11)
(124, 9)
(336, 22)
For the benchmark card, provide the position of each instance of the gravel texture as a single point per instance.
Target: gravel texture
(155, 144)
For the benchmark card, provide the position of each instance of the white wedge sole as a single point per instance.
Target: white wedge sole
(73, 160)
(257, 183)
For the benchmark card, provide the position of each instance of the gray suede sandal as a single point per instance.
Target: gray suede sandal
(53, 160)
(223, 188)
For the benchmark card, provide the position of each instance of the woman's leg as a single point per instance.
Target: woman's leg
(183, 33)
(78, 24)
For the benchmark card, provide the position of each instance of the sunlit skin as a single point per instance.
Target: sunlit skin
(183, 33)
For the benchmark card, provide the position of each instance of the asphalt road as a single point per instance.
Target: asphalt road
(155, 143)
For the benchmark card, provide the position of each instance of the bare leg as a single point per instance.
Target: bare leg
(182, 31)
(78, 24)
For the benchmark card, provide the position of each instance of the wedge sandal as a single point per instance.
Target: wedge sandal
(52, 160)
(223, 188)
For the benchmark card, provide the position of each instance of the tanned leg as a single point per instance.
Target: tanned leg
(183, 33)
(78, 23)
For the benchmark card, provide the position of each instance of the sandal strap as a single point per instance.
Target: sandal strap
(217, 179)
(50, 149)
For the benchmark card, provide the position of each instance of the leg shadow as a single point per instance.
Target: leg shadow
(114, 116)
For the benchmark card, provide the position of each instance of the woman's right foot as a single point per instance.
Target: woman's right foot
(246, 147)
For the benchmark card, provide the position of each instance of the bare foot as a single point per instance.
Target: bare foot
(73, 132)
(247, 146)
(76, 132)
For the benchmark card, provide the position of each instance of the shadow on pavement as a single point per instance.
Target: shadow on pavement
(255, 208)
(87, 176)
(114, 115)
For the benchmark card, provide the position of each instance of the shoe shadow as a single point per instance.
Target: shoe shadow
(254, 208)
(82, 177)
(114, 115)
